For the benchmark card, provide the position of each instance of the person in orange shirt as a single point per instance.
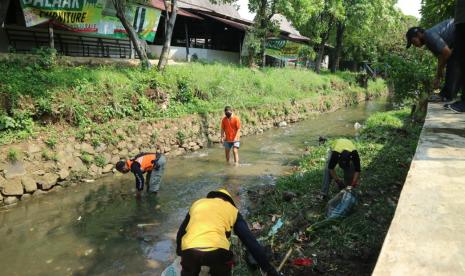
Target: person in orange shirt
(230, 134)
(151, 163)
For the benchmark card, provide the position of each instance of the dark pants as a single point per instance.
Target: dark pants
(219, 261)
(348, 176)
(459, 50)
(453, 82)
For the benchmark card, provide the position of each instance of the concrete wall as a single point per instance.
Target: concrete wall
(179, 54)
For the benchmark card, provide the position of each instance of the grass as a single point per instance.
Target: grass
(349, 246)
(84, 97)
(13, 155)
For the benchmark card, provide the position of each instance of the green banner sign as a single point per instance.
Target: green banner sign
(96, 17)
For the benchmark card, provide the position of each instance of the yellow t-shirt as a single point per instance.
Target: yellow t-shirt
(210, 220)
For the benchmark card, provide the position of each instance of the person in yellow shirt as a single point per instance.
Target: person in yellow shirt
(203, 237)
(344, 153)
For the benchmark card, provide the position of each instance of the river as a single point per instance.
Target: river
(99, 228)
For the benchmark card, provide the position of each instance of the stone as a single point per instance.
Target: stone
(14, 169)
(1, 198)
(33, 148)
(115, 151)
(26, 196)
(123, 153)
(63, 157)
(108, 168)
(121, 132)
(69, 149)
(85, 147)
(13, 187)
(122, 145)
(114, 159)
(196, 147)
(192, 144)
(107, 157)
(134, 152)
(2, 182)
(282, 124)
(10, 200)
(29, 184)
(63, 174)
(101, 148)
(39, 193)
(78, 165)
(56, 188)
(77, 147)
(39, 172)
(94, 170)
(47, 181)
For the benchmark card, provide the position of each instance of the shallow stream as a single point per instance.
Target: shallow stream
(99, 228)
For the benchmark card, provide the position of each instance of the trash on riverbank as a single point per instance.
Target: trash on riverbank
(276, 227)
(341, 205)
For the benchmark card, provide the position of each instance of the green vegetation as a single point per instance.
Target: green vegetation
(349, 246)
(49, 156)
(12, 155)
(51, 142)
(87, 158)
(95, 100)
(100, 161)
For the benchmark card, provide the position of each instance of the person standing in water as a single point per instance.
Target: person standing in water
(230, 134)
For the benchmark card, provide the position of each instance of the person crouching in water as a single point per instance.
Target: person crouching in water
(344, 153)
(151, 163)
(203, 237)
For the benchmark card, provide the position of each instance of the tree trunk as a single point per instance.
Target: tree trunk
(338, 51)
(263, 26)
(169, 33)
(321, 47)
(3, 10)
(138, 44)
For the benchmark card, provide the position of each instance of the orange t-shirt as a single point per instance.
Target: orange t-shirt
(230, 127)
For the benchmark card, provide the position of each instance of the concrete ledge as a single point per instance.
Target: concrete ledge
(427, 234)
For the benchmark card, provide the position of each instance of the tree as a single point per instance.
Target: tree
(170, 20)
(435, 11)
(121, 6)
(365, 40)
(318, 27)
(263, 25)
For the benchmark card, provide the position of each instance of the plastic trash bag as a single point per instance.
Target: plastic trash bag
(341, 205)
(173, 269)
(276, 227)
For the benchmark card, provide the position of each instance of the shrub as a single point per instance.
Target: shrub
(51, 142)
(87, 158)
(100, 161)
(12, 155)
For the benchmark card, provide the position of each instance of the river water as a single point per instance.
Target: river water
(99, 228)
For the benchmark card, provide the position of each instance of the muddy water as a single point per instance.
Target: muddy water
(99, 228)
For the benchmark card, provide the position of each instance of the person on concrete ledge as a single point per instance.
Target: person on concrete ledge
(440, 40)
(203, 237)
(230, 134)
(151, 163)
(344, 153)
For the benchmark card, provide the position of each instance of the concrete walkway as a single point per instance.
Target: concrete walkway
(427, 234)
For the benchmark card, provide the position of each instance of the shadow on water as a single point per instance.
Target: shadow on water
(101, 229)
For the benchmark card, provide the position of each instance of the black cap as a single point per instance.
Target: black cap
(411, 33)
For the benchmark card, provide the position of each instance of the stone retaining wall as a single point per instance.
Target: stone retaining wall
(41, 168)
